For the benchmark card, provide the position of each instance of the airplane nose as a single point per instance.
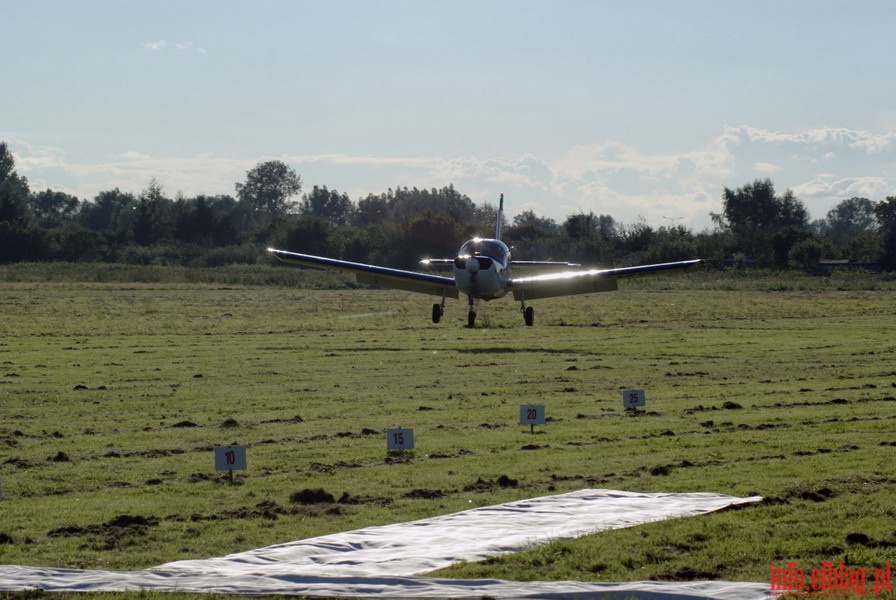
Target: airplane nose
(472, 266)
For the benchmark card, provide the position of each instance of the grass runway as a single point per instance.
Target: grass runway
(115, 394)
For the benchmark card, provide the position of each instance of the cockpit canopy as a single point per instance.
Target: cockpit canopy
(496, 250)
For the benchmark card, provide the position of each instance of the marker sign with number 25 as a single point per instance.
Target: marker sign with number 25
(633, 398)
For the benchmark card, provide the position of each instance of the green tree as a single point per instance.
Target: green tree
(152, 220)
(14, 194)
(885, 212)
(431, 235)
(371, 210)
(590, 238)
(111, 212)
(329, 205)
(533, 237)
(198, 221)
(403, 205)
(764, 226)
(850, 218)
(54, 208)
(581, 226)
(307, 234)
(805, 255)
(851, 230)
(670, 244)
(635, 239)
(20, 238)
(268, 190)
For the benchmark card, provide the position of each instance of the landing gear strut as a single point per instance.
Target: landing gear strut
(471, 315)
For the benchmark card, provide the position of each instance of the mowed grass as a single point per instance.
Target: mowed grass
(114, 396)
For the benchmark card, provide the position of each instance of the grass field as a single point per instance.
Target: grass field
(115, 393)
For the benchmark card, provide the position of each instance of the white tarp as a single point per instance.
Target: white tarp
(380, 561)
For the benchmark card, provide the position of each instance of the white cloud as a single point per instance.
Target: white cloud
(160, 45)
(614, 178)
(816, 139)
(828, 186)
(30, 157)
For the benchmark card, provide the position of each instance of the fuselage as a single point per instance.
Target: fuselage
(482, 268)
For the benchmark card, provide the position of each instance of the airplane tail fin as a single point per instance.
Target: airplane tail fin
(499, 220)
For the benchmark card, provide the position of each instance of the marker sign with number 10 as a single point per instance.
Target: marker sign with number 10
(230, 458)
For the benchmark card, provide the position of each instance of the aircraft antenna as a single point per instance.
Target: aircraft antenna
(499, 220)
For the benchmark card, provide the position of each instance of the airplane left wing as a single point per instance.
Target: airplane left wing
(410, 281)
(585, 282)
(428, 262)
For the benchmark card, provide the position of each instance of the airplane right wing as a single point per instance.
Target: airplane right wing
(410, 281)
(569, 283)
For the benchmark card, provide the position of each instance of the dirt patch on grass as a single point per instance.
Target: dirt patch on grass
(863, 539)
(110, 533)
(324, 468)
(425, 494)
(312, 496)
(349, 499)
(483, 485)
(687, 574)
(460, 452)
(23, 463)
(809, 493)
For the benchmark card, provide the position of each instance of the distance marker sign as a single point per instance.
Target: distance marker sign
(531, 414)
(633, 398)
(230, 458)
(400, 439)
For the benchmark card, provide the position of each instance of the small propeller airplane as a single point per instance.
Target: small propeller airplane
(482, 272)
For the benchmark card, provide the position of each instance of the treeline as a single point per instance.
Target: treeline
(400, 226)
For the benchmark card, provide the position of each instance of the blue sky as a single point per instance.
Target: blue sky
(637, 109)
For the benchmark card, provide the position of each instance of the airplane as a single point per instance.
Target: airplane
(482, 271)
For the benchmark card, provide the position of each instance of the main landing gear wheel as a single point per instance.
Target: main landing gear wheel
(437, 312)
(529, 316)
(471, 319)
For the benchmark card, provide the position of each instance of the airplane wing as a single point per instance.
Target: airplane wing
(585, 282)
(428, 262)
(544, 263)
(410, 281)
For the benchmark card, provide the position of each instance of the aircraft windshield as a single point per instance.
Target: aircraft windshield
(494, 249)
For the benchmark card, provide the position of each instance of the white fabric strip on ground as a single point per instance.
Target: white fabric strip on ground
(380, 560)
